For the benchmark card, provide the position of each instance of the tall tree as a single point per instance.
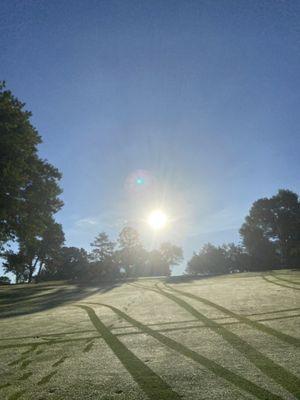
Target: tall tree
(34, 251)
(272, 229)
(238, 260)
(29, 191)
(69, 263)
(18, 150)
(51, 244)
(131, 254)
(103, 248)
(209, 260)
(104, 265)
(171, 255)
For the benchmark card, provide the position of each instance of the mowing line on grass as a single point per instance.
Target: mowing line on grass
(60, 361)
(25, 376)
(273, 312)
(183, 328)
(41, 336)
(18, 345)
(254, 324)
(17, 395)
(279, 276)
(89, 345)
(273, 370)
(279, 283)
(23, 359)
(151, 383)
(217, 369)
(47, 378)
(4, 385)
(53, 342)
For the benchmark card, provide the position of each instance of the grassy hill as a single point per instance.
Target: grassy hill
(228, 337)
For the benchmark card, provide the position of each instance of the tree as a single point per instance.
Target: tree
(154, 264)
(16, 264)
(103, 248)
(171, 255)
(29, 191)
(238, 260)
(261, 250)
(34, 250)
(4, 280)
(209, 260)
(18, 152)
(104, 265)
(70, 263)
(271, 232)
(131, 255)
(51, 244)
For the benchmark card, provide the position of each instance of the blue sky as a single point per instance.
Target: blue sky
(202, 95)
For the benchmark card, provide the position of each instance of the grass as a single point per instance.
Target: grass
(228, 337)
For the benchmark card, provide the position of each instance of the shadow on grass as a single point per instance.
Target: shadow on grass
(217, 369)
(273, 370)
(241, 318)
(17, 301)
(279, 283)
(151, 383)
(254, 324)
(277, 276)
(187, 278)
(246, 274)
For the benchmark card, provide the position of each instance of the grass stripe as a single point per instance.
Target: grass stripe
(4, 385)
(19, 345)
(279, 283)
(276, 372)
(46, 378)
(277, 276)
(273, 370)
(17, 395)
(25, 376)
(42, 336)
(254, 324)
(183, 328)
(152, 384)
(217, 369)
(88, 346)
(274, 312)
(52, 342)
(60, 361)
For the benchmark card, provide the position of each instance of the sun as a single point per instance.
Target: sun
(157, 219)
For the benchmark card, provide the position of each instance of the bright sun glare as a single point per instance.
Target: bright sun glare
(157, 219)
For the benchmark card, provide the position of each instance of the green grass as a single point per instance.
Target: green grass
(228, 337)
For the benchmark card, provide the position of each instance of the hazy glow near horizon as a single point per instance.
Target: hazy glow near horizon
(157, 219)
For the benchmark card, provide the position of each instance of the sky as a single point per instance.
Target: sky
(199, 98)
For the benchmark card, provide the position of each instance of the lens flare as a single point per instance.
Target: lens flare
(157, 219)
(139, 182)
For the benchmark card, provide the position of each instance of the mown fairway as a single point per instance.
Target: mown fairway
(229, 337)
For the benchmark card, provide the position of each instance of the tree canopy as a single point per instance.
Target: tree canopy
(271, 232)
(270, 239)
(29, 195)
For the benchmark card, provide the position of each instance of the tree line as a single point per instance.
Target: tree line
(32, 242)
(110, 261)
(270, 239)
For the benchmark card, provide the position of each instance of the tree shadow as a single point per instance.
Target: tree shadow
(279, 283)
(191, 278)
(217, 369)
(17, 301)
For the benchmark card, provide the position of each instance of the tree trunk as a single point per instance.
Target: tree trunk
(40, 268)
(32, 269)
